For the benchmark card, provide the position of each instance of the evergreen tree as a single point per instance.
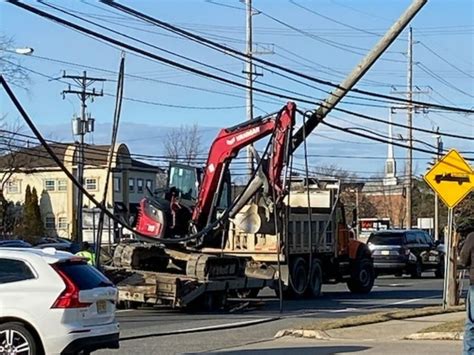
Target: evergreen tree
(37, 221)
(30, 221)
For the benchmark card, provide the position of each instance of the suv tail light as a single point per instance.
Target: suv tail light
(69, 298)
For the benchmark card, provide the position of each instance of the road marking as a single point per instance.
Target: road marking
(202, 329)
(124, 310)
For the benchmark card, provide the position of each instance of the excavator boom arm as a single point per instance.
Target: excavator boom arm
(227, 145)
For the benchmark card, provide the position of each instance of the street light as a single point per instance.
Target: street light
(24, 50)
(20, 50)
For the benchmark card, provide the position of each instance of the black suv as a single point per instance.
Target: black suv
(406, 251)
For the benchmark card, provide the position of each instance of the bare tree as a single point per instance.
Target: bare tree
(10, 145)
(10, 66)
(184, 144)
(332, 171)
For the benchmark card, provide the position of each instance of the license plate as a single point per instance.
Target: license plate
(432, 258)
(101, 307)
(385, 252)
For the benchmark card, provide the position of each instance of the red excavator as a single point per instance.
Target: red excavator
(278, 226)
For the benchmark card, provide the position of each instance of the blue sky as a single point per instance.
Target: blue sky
(445, 28)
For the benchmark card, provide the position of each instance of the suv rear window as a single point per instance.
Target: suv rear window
(85, 276)
(387, 239)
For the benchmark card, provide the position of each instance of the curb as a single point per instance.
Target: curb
(300, 333)
(436, 336)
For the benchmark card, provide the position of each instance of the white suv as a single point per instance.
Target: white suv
(54, 303)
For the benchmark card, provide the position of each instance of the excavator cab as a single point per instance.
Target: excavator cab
(184, 181)
(169, 215)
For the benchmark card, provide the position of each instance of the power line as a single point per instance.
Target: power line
(441, 79)
(352, 113)
(226, 50)
(344, 129)
(445, 60)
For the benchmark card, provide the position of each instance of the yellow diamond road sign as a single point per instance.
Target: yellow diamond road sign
(452, 178)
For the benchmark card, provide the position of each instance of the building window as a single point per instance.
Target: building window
(91, 184)
(149, 184)
(117, 184)
(62, 223)
(131, 184)
(50, 185)
(62, 185)
(13, 187)
(139, 185)
(50, 222)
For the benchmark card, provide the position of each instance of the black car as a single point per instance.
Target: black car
(406, 251)
(14, 243)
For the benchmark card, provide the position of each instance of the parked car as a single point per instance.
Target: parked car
(59, 244)
(53, 302)
(406, 251)
(14, 243)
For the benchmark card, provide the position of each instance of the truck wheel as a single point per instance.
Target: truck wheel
(439, 272)
(315, 280)
(363, 276)
(416, 270)
(299, 278)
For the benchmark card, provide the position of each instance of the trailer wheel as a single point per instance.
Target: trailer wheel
(362, 277)
(315, 280)
(299, 278)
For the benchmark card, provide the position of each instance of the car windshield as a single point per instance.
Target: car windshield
(85, 276)
(387, 238)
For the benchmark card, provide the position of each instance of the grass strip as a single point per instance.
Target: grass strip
(378, 317)
(451, 326)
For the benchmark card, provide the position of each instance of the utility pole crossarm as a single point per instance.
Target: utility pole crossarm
(358, 72)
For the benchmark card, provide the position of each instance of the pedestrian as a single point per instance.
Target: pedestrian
(87, 252)
(466, 260)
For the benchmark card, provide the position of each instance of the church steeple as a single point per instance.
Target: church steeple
(390, 164)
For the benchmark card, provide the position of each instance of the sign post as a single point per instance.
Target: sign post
(451, 178)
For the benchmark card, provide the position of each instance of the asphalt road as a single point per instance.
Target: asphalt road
(152, 330)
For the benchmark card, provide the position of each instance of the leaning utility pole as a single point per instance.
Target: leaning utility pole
(81, 125)
(358, 72)
(409, 168)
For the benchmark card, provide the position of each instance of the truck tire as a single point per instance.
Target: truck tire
(299, 278)
(439, 272)
(416, 270)
(362, 277)
(315, 280)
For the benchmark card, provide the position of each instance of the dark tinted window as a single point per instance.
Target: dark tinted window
(14, 270)
(387, 238)
(420, 238)
(85, 276)
(411, 238)
(427, 238)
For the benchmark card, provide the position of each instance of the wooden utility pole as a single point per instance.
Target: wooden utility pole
(358, 72)
(81, 126)
(439, 149)
(409, 168)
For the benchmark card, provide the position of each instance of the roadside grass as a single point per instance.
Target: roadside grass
(451, 326)
(380, 317)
